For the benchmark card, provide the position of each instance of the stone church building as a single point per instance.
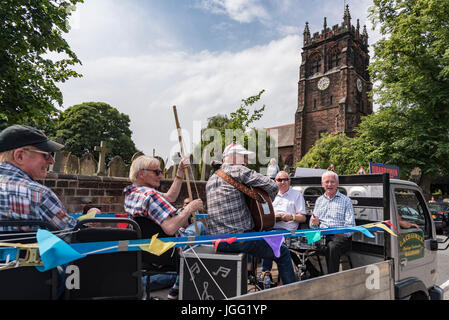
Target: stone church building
(333, 83)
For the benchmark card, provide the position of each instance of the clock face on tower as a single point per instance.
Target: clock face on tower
(323, 83)
(359, 85)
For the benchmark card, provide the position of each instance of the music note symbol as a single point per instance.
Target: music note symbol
(195, 269)
(206, 295)
(223, 270)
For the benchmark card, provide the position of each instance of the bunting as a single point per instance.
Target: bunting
(54, 251)
(275, 243)
(157, 246)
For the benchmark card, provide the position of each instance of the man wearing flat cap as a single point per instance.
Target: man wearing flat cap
(228, 212)
(25, 154)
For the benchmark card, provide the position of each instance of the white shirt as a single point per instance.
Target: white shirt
(290, 202)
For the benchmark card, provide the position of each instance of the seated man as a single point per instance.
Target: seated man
(290, 209)
(229, 213)
(333, 209)
(25, 154)
(142, 199)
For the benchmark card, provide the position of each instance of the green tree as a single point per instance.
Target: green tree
(223, 129)
(29, 31)
(84, 126)
(411, 68)
(337, 149)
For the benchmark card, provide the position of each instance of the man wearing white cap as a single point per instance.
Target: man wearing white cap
(228, 212)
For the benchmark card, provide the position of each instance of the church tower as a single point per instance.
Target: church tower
(333, 83)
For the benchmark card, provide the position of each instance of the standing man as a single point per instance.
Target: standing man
(333, 209)
(290, 209)
(25, 155)
(229, 213)
(142, 199)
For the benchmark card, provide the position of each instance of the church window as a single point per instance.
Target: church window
(334, 59)
(332, 100)
(315, 64)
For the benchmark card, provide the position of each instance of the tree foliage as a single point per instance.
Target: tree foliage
(29, 31)
(337, 149)
(221, 130)
(84, 126)
(411, 68)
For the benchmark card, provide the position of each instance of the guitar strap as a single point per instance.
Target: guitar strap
(237, 184)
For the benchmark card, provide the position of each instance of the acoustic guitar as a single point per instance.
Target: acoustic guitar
(258, 201)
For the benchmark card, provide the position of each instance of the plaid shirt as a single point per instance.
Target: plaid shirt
(226, 206)
(148, 202)
(22, 198)
(335, 212)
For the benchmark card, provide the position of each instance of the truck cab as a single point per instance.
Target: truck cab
(377, 198)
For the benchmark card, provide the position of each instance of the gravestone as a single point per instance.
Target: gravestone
(117, 168)
(88, 165)
(136, 155)
(59, 159)
(103, 150)
(72, 164)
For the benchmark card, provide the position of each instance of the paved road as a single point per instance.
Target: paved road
(443, 268)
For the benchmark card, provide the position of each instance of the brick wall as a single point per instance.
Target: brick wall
(106, 193)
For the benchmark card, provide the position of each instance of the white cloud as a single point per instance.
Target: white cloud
(201, 85)
(240, 10)
(134, 60)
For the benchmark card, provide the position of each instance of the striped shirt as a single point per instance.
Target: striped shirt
(335, 212)
(226, 206)
(148, 202)
(22, 198)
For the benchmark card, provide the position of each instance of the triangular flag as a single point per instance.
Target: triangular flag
(363, 230)
(379, 225)
(89, 215)
(54, 251)
(313, 236)
(388, 223)
(157, 246)
(228, 240)
(275, 244)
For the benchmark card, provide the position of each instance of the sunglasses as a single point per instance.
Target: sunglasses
(47, 155)
(156, 171)
(281, 179)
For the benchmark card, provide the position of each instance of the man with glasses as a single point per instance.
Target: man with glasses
(142, 199)
(290, 209)
(333, 209)
(228, 212)
(25, 155)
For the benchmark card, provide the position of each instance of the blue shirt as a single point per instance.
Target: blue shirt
(335, 212)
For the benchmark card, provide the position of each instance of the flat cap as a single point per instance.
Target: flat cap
(17, 136)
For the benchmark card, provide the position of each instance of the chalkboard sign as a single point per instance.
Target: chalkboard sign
(225, 277)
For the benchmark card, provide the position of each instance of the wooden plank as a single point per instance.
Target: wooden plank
(345, 285)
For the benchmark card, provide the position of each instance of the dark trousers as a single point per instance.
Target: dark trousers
(336, 245)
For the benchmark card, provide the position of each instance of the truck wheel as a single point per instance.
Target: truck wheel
(418, 296)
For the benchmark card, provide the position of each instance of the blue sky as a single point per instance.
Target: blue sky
(204, 56)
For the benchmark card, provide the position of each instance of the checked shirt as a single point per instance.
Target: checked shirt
(22, 198)
(335, 212)
(148, 202)
(226, 206)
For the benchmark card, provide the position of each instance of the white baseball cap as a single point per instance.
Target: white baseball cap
(237, 149)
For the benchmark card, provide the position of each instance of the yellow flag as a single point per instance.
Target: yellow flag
(380, 225)
(156, 246)
(90, 214)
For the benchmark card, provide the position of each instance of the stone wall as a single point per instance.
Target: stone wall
(105, 192)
